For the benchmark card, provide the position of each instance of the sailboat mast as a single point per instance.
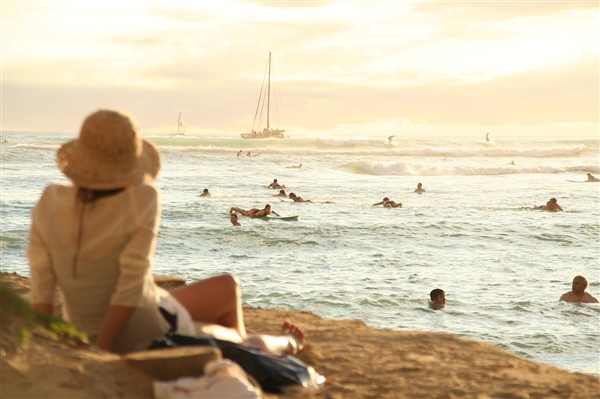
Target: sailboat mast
(269, 92)
(180, 124)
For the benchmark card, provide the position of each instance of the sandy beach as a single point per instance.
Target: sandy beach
(357, 361)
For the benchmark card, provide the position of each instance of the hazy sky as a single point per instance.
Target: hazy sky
(340, 67)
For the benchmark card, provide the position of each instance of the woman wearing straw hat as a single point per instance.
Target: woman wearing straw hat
(95, 239)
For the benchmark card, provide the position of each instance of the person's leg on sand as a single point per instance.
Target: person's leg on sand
(290, 341)
(216, 300)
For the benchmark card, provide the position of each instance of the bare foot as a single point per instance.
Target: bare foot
(297, 335)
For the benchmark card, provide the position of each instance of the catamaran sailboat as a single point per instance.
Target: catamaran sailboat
(267, 132)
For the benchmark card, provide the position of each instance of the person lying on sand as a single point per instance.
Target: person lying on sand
(420, 189)
(254, 212)
(234, 219)
(592, 178)
(205, 193)
(276, 185)
(438, 298)
(282, 193)
(551, 205)
(577, 293)
(297, 199)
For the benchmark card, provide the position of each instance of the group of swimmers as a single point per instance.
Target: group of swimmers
(552, 204)
(291, 196)
(577, 294)
(282, 192)
(388, 203)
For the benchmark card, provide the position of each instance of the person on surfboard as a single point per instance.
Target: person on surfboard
(254, 212)
(592, 178)
(487, 137)
(297, 199)
(282, 193)
(551, 205)
(385, 199)
(387, 203)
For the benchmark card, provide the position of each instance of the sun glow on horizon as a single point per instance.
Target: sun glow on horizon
(339, 63)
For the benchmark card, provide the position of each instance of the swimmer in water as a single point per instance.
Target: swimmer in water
(577, 293)
(438, 299)
(205, 193)
(420, 189)
(390, 138)
(239, 154)
(294, 167)
(234, 219)
(276, 185)
(281, 194)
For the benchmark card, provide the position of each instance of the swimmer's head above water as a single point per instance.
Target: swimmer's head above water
(438, 298)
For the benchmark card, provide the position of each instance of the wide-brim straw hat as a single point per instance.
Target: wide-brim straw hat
(109, 153)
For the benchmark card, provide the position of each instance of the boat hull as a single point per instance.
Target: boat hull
(265, 134)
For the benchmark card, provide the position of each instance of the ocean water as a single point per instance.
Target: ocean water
(503, 266)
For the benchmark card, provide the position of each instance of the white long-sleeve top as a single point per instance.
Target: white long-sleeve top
(99, 254)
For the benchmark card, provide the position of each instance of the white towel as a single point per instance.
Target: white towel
(222, 379)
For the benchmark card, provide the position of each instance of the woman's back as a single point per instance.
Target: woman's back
(100, 252)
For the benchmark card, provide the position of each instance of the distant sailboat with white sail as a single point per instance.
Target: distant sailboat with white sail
(267, 132)
(180, 126)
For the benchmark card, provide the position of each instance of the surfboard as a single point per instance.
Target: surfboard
(581, 181)
(271, 217)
